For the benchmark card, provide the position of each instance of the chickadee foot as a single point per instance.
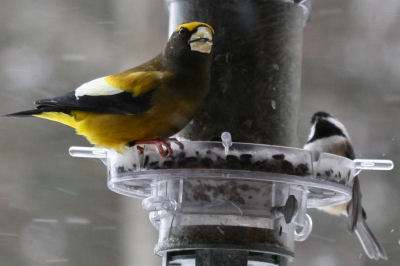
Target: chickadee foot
(160, 144)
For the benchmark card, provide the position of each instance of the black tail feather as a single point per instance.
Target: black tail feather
(25, 113)
(41, 109)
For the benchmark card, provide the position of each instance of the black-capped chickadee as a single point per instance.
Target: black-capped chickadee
(329, 135)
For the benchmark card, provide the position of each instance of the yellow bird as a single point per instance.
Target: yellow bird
(144, 104)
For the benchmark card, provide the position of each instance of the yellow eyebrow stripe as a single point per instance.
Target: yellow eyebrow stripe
(192, 25)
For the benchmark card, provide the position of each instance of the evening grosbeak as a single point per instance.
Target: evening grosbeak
(144, 104)
(329, 135)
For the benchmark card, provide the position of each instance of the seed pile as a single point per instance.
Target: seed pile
(210, 160)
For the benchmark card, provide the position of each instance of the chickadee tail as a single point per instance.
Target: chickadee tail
(368, 241)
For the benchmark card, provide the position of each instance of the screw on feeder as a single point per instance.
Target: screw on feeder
(226, 139)
(289, 210)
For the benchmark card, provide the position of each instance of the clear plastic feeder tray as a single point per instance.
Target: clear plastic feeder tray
(230, 195)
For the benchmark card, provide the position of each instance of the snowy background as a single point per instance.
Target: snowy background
(56, 210)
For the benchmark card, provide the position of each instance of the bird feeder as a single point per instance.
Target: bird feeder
(239, 203)
(230, 203)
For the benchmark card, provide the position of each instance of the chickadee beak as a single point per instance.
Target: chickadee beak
(201, 40)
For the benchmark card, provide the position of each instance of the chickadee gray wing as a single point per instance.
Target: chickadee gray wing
(354, 206)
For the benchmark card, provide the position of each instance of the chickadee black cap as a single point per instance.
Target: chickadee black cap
(318, 115)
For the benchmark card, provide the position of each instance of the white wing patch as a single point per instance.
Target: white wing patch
(96, 87)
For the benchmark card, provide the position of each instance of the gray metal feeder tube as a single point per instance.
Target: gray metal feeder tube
(256, 71)
(255, 83)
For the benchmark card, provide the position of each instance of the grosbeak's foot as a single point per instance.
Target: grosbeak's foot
(161, 144)
(174, 140)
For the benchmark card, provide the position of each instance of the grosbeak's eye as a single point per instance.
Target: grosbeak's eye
(182, 31)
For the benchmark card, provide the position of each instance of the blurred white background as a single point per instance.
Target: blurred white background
(56, 210)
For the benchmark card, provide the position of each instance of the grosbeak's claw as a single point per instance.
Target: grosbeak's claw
(160, 144)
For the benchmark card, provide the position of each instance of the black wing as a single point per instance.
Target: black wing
(121, 103)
